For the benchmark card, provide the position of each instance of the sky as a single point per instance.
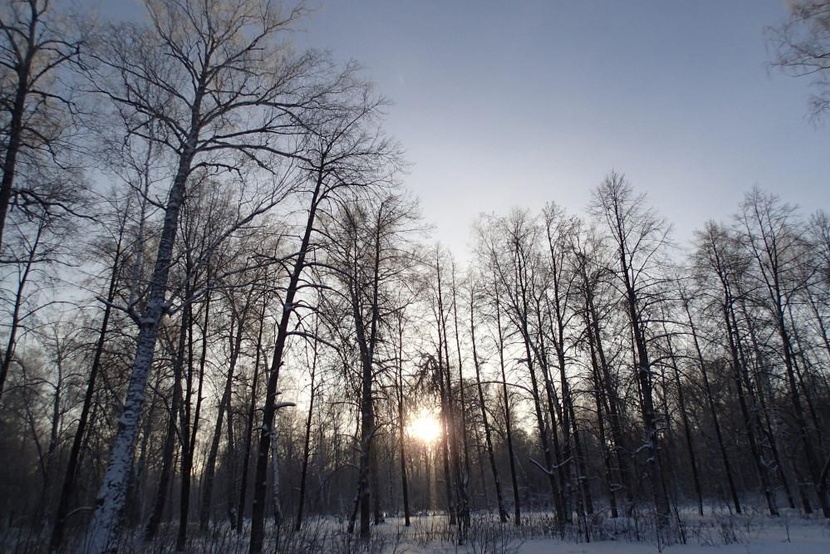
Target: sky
(502, 104)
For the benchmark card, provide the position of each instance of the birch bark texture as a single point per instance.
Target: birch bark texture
(214, 85)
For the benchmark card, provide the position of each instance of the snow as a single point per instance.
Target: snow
(546, 547)
(731, 535)
(430, 534)
(797, 545)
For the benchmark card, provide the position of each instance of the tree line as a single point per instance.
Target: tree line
(221, 307)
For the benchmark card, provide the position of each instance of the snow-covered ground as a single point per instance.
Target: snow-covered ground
(539, 534)
(712, 535)
(761, 536)
(764, 537)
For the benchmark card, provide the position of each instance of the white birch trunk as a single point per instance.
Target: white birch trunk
(102, 533)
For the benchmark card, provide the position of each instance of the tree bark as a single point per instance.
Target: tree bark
(249, 426)
(508, 423)
(710, 402)
(503, 517)
(224, 406)
(101, 535)
(151, 530)
(89, 394)
(269, 409)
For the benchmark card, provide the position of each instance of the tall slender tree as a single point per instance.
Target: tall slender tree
(640, 236)
(344, 153)
(216, 87)
(36, 44)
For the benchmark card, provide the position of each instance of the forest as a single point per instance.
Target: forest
(223, 311)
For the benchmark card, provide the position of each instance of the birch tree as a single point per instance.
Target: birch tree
(35, 45)
(365, 259)
(775, 241)
(114, 250)
(344, 151)
(214, 86)
(639, 236)
(719, 266)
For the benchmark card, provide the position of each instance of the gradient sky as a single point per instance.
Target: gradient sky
(517, 103)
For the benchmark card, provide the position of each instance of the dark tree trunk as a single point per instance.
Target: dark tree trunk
(191, 425)
(710, 402)
(445, 442)
(270, 408)
(484, 418)
(249, 425)
(460, 444)
(767, 437)
(151, 530)
(752, 422)
(508, 421)
(402, 424)
(609, 394)
(687, 428)
(224, 407)
(186, 461)
(14, 131)
(89, 394)
(307, 442)
(600, 401)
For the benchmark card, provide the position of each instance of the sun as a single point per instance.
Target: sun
(425, 427)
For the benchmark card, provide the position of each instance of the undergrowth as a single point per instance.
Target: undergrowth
(486, 535)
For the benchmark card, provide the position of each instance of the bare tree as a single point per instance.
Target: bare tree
(366, 257)
(35, 247)
(685, 299)
(720, 264)
(116, 251)
(314, 385)
(559, 304)
(508, 417)
(213, 87)
(593, 272)
(802, 47)
(774, 239)
(35, 45)
(510, 247)
(639, 236)
(344, 152)
(474, 299)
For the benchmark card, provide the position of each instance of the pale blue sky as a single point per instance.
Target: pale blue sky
(503, 104)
